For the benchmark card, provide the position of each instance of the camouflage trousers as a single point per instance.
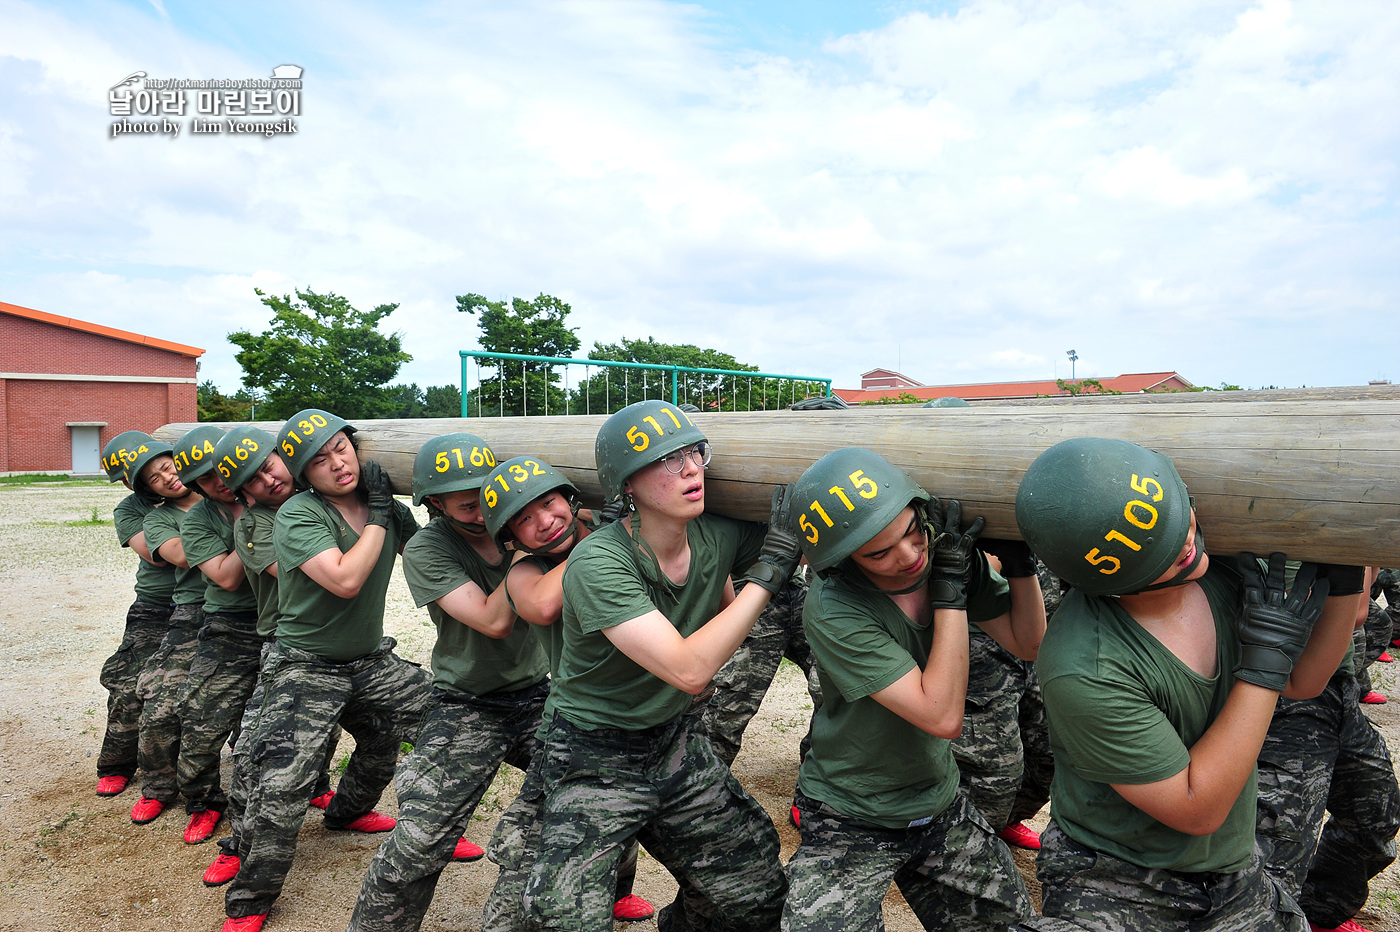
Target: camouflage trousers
(603, 787)
(953, 871)
(1081, 888)
(146, 626)
(1324, 754)
(242, 790)
(1004, 762)
(743, 681)
(1369, 641)
(379, 698)
(465, 740)
(222, 676)
(513, 847)
(161, 688)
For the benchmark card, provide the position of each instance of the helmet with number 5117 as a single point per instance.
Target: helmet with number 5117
(1107, 516)
(451, 463)
(637, 436)
(844, 499)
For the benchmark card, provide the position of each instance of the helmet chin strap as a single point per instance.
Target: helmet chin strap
(474, 530)
(1180, 579)
(562, 542)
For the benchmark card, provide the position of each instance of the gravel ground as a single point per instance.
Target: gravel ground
(71, 860)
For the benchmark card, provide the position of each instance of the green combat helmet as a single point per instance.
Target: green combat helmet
(947, 401)
(451, 463)
(637, 436)
(821, 403)
(688, 408)
(194, 453)
(846, 498)
(304, 434)
(119, 449)
(1107, 516)
(240, 453)
(144, 454)
(516, 483)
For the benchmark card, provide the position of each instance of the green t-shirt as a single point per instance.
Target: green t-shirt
(161, 526)
(208, 533)
(154, 583)
(550, 637)
(867, 762)
(1124, 709)
(439, 560)
(313, 619)
(253, 539)
(599, 686)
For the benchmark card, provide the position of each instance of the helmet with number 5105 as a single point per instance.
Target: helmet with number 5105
(846, 498)
(637, 436)
(451, 463)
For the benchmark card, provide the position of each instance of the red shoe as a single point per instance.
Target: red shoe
(1372, 698)
(1385, 658)
(224, 869)
(1348, 926)
(632, 908)
(324, 800)
(253, 923)
(1020, 835)
(796, 818)
(111, 786)
(146, 810)
(201, 826)
(369, 823)
(466, 851)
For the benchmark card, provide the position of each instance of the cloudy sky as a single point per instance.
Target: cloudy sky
(965, 190)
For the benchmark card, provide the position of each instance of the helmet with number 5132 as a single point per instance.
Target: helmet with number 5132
(451, 463)
(304, 434)
(240, 453)
(637, 436)
(516, 483)
(844, 499)
(1107, 516)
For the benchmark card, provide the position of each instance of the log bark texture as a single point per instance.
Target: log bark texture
(1317, 479)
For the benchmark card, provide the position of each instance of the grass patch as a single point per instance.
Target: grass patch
(93, 520)
(46, 835)
(38, 478)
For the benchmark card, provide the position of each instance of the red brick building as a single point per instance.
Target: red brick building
(1131, 383)
(68, 386)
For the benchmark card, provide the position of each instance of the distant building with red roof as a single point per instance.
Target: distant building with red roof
(1132, 383)
(67, 386)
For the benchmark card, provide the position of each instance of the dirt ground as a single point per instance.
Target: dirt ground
(70, 860)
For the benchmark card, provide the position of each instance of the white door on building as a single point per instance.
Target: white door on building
(87, 455)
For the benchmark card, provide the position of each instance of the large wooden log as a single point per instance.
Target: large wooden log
(1316, 479)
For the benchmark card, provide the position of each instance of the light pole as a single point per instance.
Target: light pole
(1072, 357)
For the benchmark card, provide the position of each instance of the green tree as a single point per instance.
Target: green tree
(1085, 387)
(903, 398)
(320, 352)
(443, 401)
(530, 328)
(214, 405)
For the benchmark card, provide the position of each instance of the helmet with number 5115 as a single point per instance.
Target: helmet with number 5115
(1107, 516)
(637, 436)
(844, 499)
(451, 463)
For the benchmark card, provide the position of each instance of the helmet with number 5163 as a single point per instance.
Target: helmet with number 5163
(1107, 516)
(451, 463)
(304, 434)
(844, 499)
(637, 436)
(240, 453)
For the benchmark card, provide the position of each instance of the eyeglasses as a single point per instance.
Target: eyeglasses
(675, 461)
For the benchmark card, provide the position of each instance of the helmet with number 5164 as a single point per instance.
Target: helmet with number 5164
(451, 463)
(846, 498)
(637, 436)
(194, 453)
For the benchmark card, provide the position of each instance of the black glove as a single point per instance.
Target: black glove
(1274, 627)
(1345, 580)
(614, 510)
(1016, 558)
(781, 549)
(378, 493)
(950, 553)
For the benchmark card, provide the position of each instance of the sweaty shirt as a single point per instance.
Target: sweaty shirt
(155, 584)
(208, 533)
(253, 541)
(163, 525)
